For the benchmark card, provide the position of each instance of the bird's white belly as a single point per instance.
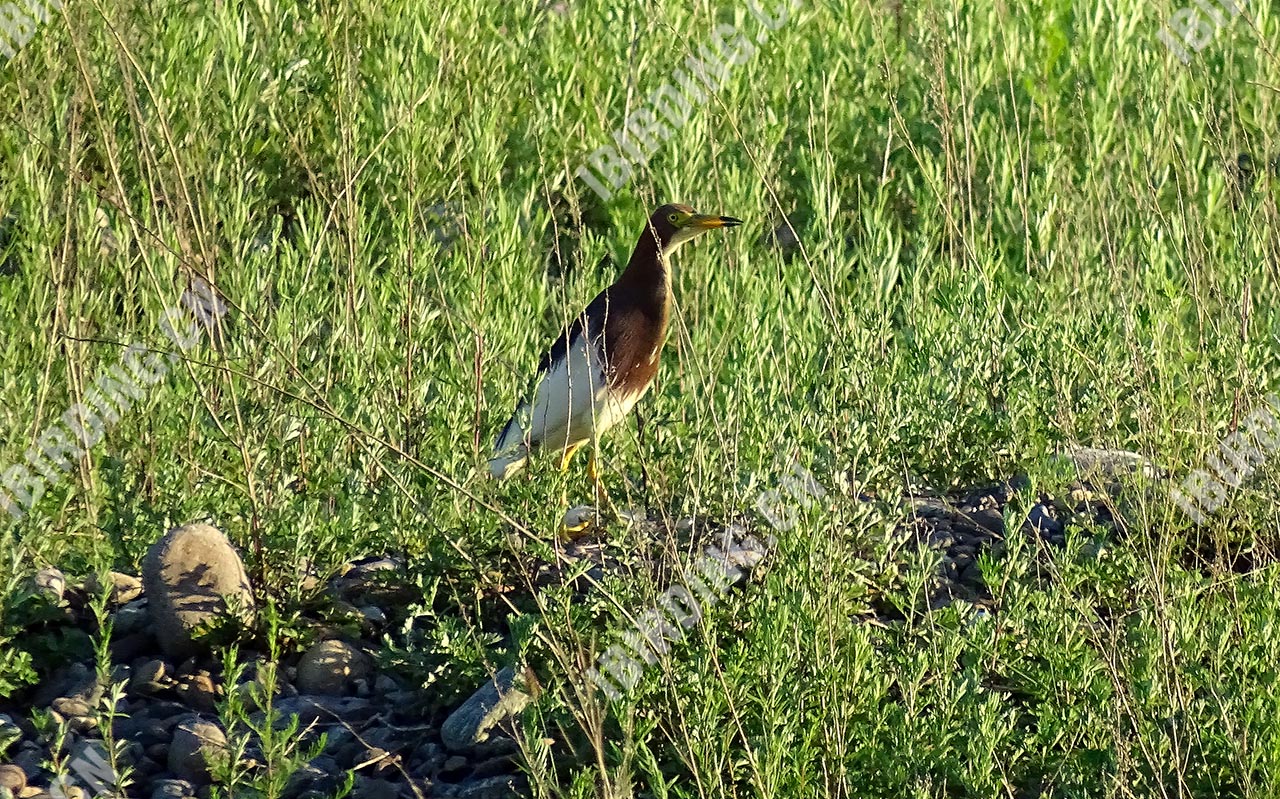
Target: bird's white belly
(573, 403)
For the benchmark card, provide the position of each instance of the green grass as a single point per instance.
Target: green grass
(1023, 228)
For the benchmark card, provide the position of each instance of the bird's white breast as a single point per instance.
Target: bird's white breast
(572, 403)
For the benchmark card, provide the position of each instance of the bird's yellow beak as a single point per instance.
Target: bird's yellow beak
(710, 221)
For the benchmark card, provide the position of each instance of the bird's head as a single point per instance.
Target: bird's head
(674, 224)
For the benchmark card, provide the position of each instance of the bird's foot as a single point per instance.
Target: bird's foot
(580, 521)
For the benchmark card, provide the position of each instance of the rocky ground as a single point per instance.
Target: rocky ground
(166, 686)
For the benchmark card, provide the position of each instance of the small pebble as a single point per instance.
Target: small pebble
(51, 582)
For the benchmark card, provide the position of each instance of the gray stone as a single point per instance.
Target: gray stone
(150, 677)
(198, 692)
(329, 667)
(454, 767)
(71, 708)
(131, 618)
(503, 787)
(1040, 521)
(10, 733)
(322, 709)
(192, 576)
(495, 766)
(374, 788)
(122, 587)
(50, 582)
(308, 777)
(72, 680)
(129, 647)
(30, 759)
(171, 789)
(991, 520)
(378, 581)
(496, 701)
(196, 745)
(385, 684)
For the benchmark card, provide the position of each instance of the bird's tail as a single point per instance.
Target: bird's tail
(503, 466)
(510, 451)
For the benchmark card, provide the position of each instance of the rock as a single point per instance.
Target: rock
(310, 777)
(13, 778)
(171, 789)
(198, 692)
(192, 576)
(1040, 521)
(374, 788)
(30, 758)
(737, 549)
(385, 684)
(131, 646)
(10, 733)
(497, 700)
(503, 787)
(358, 755)
(454, 767)
(50, 582)
(375, 581)
(941, 540)
(325, 764)
(495, 766)
(74, 681)
(63, 789)
(321, 709)
(147, 769)
(132, 618)
(990, 520)
(383, 737)
(427, 759)
(417, 788)
(196, 745)
(328, 668)
(150, 677)
(123, 588)
(77, 713)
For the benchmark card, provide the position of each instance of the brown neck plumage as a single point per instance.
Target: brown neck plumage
(645, 279)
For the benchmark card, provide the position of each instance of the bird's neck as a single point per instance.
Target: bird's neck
(647, 277)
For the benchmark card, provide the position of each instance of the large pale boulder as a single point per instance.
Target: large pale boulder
(191, 576)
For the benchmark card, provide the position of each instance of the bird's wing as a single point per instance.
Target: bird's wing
(571, 381)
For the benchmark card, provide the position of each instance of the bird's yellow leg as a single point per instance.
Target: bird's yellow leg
(568, 456)
(570, 530)
(593, 469)
(564, 467)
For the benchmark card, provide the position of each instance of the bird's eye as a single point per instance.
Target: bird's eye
(674, 218)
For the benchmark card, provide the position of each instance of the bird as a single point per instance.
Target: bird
(606, 359)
